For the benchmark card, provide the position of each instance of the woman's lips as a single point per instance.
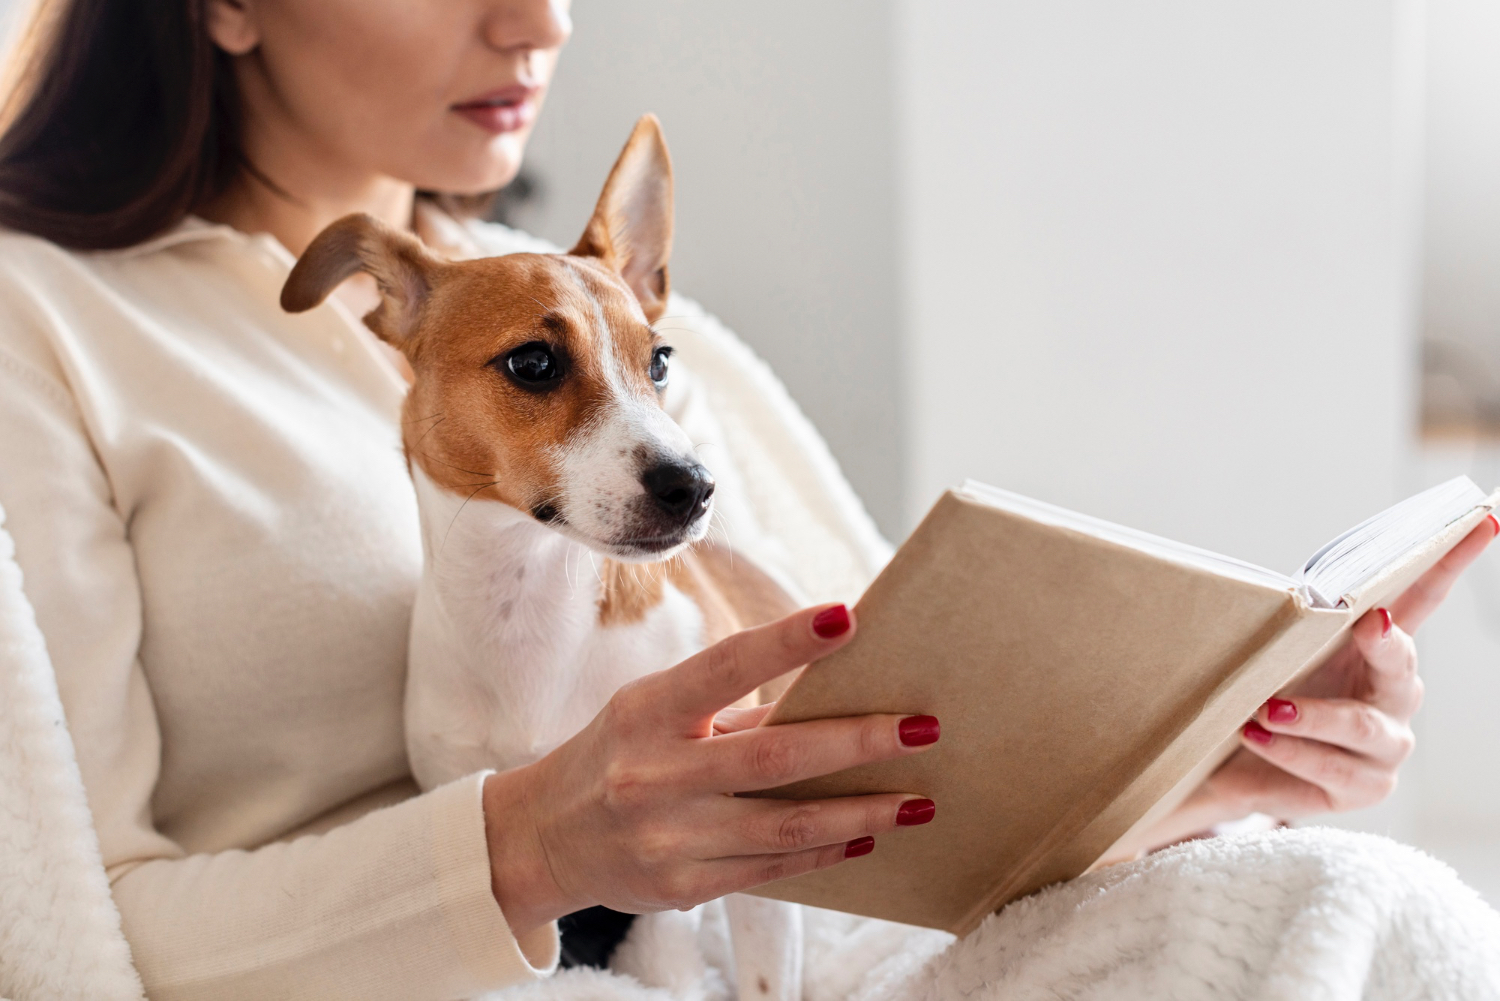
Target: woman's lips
(505, 110)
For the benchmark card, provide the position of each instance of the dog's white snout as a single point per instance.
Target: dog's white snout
(632, 485)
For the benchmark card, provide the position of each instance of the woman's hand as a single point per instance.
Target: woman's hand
(1337, 741)
(636, 812)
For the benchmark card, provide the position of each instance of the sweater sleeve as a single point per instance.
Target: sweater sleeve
(395, 904)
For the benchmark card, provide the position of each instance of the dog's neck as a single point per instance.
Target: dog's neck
(461, 532)
(489, 563)
(518, 611)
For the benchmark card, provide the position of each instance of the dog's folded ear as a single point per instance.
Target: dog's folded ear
(403, 269)
(631, 229)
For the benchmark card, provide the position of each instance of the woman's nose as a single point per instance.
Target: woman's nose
(528, 24)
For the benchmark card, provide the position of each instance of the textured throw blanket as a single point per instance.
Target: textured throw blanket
(1309, 914)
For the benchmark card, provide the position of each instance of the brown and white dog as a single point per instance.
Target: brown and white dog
(564, 513)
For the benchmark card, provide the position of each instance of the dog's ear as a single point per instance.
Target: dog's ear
(403, 269)
(631, 229)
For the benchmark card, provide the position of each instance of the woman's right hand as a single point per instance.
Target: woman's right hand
(636, 812)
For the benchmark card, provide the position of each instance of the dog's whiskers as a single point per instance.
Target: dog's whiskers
(461, 469)
(460, 511)
(718, 530)
(430, 428)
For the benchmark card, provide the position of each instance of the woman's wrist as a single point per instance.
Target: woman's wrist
(520, 875)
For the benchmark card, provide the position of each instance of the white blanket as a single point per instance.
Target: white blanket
(1316, 914)
(59, 930)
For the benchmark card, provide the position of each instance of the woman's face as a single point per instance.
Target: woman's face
(438, 93)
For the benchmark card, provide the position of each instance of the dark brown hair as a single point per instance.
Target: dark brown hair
(120, 118)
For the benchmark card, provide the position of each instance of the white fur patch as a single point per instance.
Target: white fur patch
(601, 469)
(507, 658)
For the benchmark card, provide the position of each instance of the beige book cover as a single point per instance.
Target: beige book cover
(1080, 680)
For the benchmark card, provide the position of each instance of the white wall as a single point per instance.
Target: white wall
(1462, 300)
(1158, 260)
(779, 116)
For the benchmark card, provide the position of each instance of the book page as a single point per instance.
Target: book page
(1344, 565)
(1178, 552)
(1333, 572)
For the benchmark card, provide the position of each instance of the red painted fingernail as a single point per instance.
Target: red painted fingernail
(1258, 733)
(1385, 622)
(858, 847)
(918, 731)
(1494, 523)
(915, 812)
(1281, 711)
(831, 622)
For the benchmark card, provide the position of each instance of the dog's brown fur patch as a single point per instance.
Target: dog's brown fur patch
(504, 445)
(627, 591)
(717, 577)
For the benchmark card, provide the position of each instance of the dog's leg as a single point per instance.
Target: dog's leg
(767, 937)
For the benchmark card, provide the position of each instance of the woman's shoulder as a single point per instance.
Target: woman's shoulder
(39, 264)
(26, 252)
(52, 296)
(37, 280)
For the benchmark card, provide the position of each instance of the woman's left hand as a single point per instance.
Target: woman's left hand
(1337, 741)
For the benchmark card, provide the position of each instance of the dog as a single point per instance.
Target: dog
(564, 514)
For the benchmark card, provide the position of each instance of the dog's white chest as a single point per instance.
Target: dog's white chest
(508, 658)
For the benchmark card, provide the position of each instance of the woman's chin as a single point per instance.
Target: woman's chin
(474, 169)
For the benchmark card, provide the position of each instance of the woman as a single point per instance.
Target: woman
(220, 542)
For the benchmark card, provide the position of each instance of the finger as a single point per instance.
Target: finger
(705, 683)
(1423, 597)
(735, 719)
(732, 875)
(771, 756)
(1264, 788)
(1349, 781)
(736, 826)
(1390, 681)
(1345, 723)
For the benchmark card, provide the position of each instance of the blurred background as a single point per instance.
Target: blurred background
(1225, 271)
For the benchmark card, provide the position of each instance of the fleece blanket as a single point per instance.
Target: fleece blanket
(1316, 914)
(59, 930)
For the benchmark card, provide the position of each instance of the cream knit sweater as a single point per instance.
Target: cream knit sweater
(220, 542)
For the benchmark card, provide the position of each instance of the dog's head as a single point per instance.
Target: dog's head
(539, 377)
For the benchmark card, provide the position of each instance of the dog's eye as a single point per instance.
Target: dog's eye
(533, 365)
(658, 369)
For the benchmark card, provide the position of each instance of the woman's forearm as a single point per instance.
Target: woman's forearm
(396, 905)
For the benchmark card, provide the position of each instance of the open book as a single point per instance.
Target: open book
(1087, 677)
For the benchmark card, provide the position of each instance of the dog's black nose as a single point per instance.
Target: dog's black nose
(681, 491)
